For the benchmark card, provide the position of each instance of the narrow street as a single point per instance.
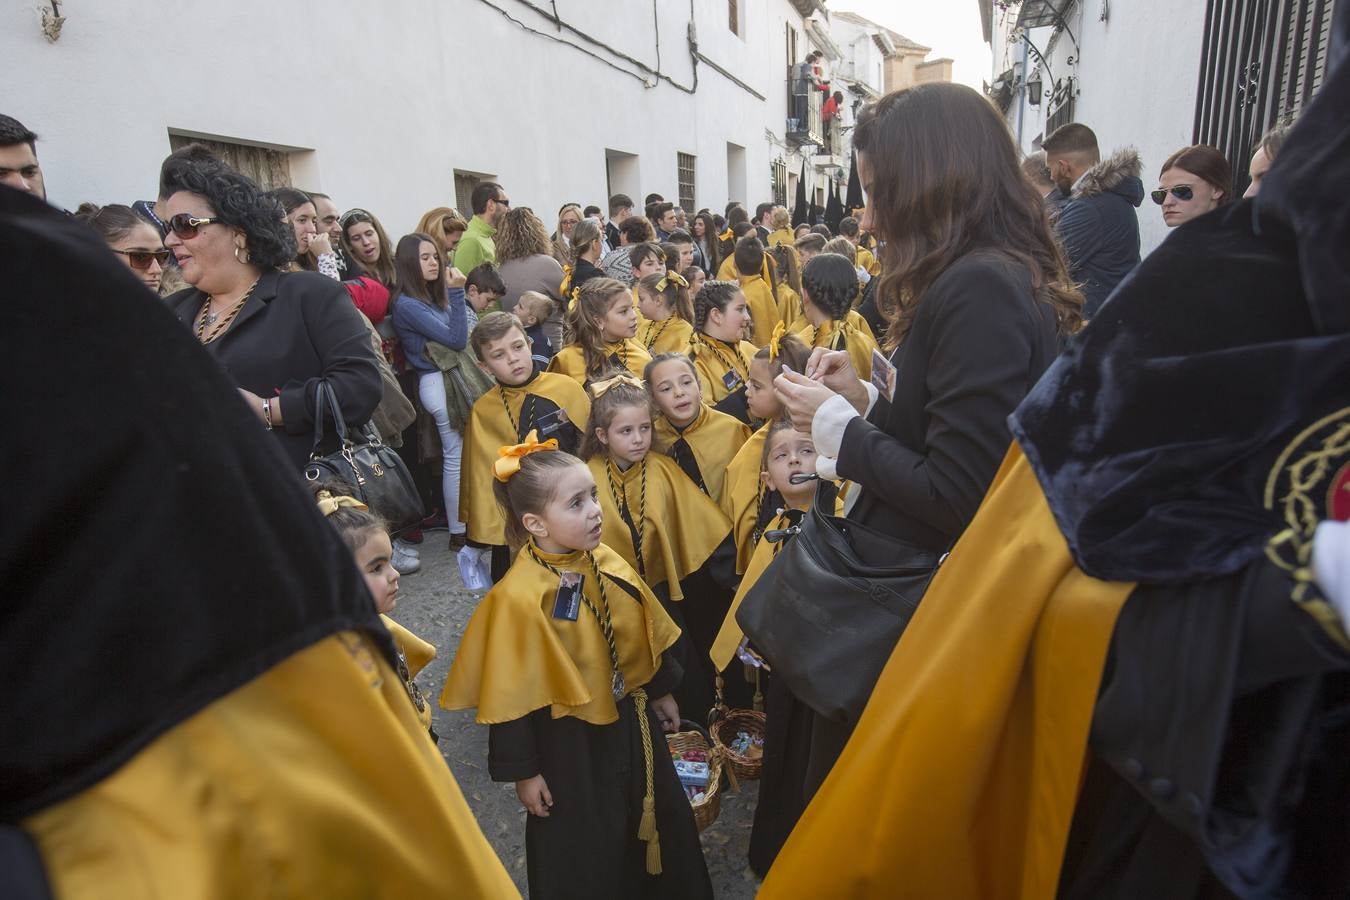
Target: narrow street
(435, 605)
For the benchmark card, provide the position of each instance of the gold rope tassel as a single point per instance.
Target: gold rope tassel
(647, 826)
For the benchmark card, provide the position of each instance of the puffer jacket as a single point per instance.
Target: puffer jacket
(1099, 227)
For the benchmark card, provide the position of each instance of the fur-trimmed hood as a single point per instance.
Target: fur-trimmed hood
(1118, 174)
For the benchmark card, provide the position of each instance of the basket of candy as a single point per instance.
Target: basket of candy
(699, 766)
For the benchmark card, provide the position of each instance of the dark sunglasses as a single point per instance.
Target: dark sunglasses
(503, 201)
(185, 225)
(140, 259)
(1182, 192)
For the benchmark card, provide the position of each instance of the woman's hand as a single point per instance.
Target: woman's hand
(832, 368)
(801, 397)
(319, 244)
(667, 713)
(534, 796)
(454, 277)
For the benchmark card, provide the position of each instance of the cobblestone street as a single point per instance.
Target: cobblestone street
(435, 605)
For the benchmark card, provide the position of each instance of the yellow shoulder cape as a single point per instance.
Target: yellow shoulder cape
(515, 657)
(790, 308)
(741, 494)
(729, 636)
(490, 429)
(571, 361)
(714, 437)
(666, 336)
(857, 342)
(681, 526)
(710, 358)
(727, 270)
(315, 779)
(763, 308)
(963, 782)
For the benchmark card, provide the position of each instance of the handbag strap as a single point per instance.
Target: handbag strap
(325, 402)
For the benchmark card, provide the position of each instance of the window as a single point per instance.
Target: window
(778, 178)
(270, 167)
(684, 165)
(1061, 105)
(735, 172)
(465, 182)
(1261, 62)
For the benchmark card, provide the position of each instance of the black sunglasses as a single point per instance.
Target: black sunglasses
(503, 201)
(1182, 192)
(140, 259)
(185, 225)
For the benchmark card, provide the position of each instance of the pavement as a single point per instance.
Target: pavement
(435, 605)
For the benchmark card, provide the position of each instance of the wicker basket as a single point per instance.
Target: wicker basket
(706, 810)
(724, 728)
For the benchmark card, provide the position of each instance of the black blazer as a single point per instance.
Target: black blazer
(978, 343)
(295, 329)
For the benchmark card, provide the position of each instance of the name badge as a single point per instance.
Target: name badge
(567, 602)
(732, 380)
(549, 424)
(883, 376)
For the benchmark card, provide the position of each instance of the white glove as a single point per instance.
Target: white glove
(1331, 564)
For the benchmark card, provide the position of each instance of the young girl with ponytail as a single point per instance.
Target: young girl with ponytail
(721, 357)
(667, 313)
(602, 323)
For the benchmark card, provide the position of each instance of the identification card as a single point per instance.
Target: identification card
(548, 425)
(567, 603)
(732, 380)
(883, 376)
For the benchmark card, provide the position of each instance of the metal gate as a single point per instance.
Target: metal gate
(1262, 60)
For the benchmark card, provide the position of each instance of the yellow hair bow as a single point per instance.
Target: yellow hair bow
(599, 388)
(565, 288)
(775, 342)
(725, 236)
(508, 458)
(669, 277)
(330, 503)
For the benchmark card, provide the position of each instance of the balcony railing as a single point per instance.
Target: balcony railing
(804, 100)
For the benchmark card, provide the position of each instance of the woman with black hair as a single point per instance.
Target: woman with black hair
(129, 236)
(278, 334)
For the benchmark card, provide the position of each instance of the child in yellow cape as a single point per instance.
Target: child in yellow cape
(829, 284)
(603, 322)
(700, 439)
(667, 313)
(566, 660)
(721, 357)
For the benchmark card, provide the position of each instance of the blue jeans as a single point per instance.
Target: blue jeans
(431, 391)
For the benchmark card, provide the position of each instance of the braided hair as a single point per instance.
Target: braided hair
(830, 282)
(713, 295)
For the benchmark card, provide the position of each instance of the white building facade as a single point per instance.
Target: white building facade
(1155, 74)
(402, 106)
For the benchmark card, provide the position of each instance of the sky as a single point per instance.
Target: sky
(950, 27)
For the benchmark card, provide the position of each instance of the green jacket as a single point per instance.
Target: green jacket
(476, 247)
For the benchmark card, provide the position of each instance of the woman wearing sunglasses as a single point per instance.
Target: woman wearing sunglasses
(1193, 181)
(134, 240)
(277, 334)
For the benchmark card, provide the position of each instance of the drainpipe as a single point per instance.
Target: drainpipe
(1021, 98)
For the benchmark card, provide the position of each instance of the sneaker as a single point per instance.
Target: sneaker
(412, 535)
(407, 549)
(458, 541)
(435, 522)
(403, 563)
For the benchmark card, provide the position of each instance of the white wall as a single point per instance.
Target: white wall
(393, 97)
(1138, 72)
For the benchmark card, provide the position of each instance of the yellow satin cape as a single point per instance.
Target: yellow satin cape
(489, 430)
(710, 367)
(515, 657)
(714, 437)
(869, 262)
(682, 525)
(790, 309)
(857, 342)
(763, 308)
(416, 653)
(741, 495)
(666, 336)
(961, 779)
(571, 361)
(781, 236)
(729, 636)
(314, 779)
(727, 270)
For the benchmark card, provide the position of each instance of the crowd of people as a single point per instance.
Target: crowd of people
(623, 426)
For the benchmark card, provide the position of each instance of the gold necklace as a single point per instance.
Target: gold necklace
(219, 328)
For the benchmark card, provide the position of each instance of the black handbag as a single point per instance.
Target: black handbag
(831, 606)
(372, 468)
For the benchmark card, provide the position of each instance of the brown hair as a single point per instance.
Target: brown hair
(529, 490)
(353, 525)
(440, 223)
(1206, 163)
(637, 229)
(521, 234)
(945, 182)
(792, 353)
(1273, 140)
(605, 407)
(674, 296)
(789, 268)
(112, 222)
(665, 358)
(776, 427)
(536, 304)
(594, 300)
(408, 273)
(810, 241)
(844, 247)
(638, 253)
(1075, 137)
(383, 268)
(491, 327)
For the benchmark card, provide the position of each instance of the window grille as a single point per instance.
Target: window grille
(684, 164)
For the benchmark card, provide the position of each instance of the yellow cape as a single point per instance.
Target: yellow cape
(727, 270)
(680, 529)
(764, 312)
(790, 308)
(869, 262)
(714, 437)
(729, 636)
(489, 430)
(416, 653)
(961, 780)
(857, 342)
(741, 495)
(314, 779)
(571, 361)
(516, 657)
(666, 336)
(711, 366)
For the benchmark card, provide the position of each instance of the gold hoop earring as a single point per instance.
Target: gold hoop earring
(245, 258)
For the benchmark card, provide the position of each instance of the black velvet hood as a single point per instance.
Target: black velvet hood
(157, 550)
(1153, 436)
